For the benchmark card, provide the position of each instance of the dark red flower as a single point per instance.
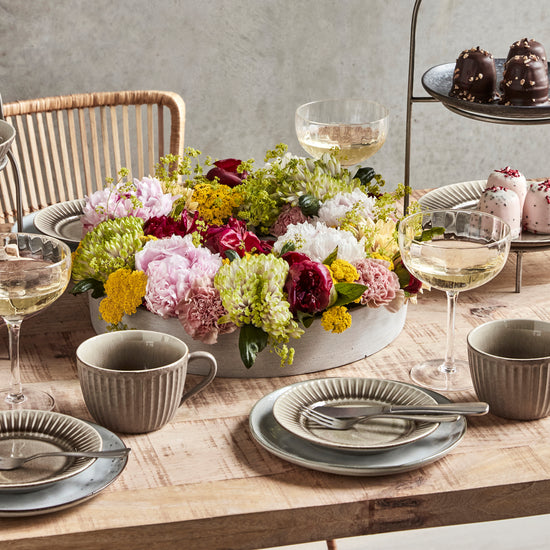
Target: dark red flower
(226, 172)
(292, 257)
(166, 226)
(409, 283)
(234, 236)
(308, 286)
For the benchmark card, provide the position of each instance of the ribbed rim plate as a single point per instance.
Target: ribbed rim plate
(378, 434)
(270, 435)
(465, 196)
(27, 432)
(61, 220)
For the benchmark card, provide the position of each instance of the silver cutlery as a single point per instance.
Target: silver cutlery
(14, 462)
(333, 423)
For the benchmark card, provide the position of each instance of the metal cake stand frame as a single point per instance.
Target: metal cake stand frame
(475, 112)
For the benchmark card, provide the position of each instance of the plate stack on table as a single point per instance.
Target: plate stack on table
(377, 447)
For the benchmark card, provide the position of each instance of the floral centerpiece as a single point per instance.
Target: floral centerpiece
(225, 246)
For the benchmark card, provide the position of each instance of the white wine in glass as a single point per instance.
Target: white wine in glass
(355, 129)
(34, 272)
(452, 250)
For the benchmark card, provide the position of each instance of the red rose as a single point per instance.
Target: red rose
(234, 236)
(226, 172)
(292, 257)
(166, 226)
(308, 286)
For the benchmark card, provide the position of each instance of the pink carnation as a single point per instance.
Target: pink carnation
(199, 312)
(289, 215)
(383, 284)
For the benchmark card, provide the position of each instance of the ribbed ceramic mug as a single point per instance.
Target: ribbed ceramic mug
(133, 381)
(510, 367)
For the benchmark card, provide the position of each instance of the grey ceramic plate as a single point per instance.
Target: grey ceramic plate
(69, 492)
(61, 220)
(466, 196)
(28, 432)
(274, 438)
(438, 80)
(375, 435)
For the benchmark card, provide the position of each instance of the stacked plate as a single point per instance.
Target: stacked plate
(53, 483)
(377, 447)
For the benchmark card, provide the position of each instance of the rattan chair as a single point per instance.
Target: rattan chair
(66, 146)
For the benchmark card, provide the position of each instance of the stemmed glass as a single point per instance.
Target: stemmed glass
(452, 250)
(356, 128)
(34, 272)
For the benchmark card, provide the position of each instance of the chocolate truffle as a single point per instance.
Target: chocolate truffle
(525, 81)
(474, 77)
(527, 46)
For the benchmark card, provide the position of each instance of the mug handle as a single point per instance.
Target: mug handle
(209, 377)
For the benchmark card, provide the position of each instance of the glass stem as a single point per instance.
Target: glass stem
(449, 364)
(15, 394)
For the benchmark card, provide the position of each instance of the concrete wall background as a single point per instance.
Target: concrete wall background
(243, 66)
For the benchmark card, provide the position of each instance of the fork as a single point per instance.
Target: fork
(14, 462)
(345, 423)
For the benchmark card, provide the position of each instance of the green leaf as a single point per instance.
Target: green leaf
(429, 234)
(348, 292)
(252, 340)
(289, 246)
(331, 257)
(97, 288)
(305, 318)
(231, 255)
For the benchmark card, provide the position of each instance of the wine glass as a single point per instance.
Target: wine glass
(354, 128)
(452, 250)
(34, 272)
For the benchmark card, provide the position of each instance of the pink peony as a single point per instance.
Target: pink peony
(173, 267)
(289, 215)
(383, 284)
(199, 312)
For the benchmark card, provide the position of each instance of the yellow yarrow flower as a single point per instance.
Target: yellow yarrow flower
(385, 258)
(125, 290)
(343, 272)
(336, 319)
(216, 202)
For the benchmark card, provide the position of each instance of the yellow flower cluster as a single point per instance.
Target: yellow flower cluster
(336, 319)
(125, 290)
(343, 272)
(216, 202)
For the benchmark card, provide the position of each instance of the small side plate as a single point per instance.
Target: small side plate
(28, 432)
(61, 220)
(379, 434)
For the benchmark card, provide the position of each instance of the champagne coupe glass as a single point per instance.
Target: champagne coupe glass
(34, 272)
(356, 128)
(452, 250)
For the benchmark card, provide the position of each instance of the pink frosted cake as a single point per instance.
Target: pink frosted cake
(510, 179)
(536, 210)
(503, 203)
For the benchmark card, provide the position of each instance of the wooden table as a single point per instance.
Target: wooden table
(202, 482)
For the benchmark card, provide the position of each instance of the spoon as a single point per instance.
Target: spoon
(14, 462)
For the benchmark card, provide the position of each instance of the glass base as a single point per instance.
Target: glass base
(431, 375)
(32, 399)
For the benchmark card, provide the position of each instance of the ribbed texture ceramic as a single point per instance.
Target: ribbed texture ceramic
(114, 401)
(520, 392)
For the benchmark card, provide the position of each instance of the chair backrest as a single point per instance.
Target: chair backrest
(66, 146)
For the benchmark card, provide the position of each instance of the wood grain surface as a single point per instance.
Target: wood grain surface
(202, 482)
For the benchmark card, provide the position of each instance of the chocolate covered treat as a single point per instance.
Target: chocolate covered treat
(474, 77)
(527, 46)
(525, 81)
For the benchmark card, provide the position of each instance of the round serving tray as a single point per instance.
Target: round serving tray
(438, 80)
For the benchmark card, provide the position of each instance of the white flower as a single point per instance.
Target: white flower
(335, 209)
(318, 241)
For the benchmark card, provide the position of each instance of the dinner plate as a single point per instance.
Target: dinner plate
(465, 196)
(61, 220)
(375, 435)
(270, 435)
(69, 492)
(438, 81)
(28, 432)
